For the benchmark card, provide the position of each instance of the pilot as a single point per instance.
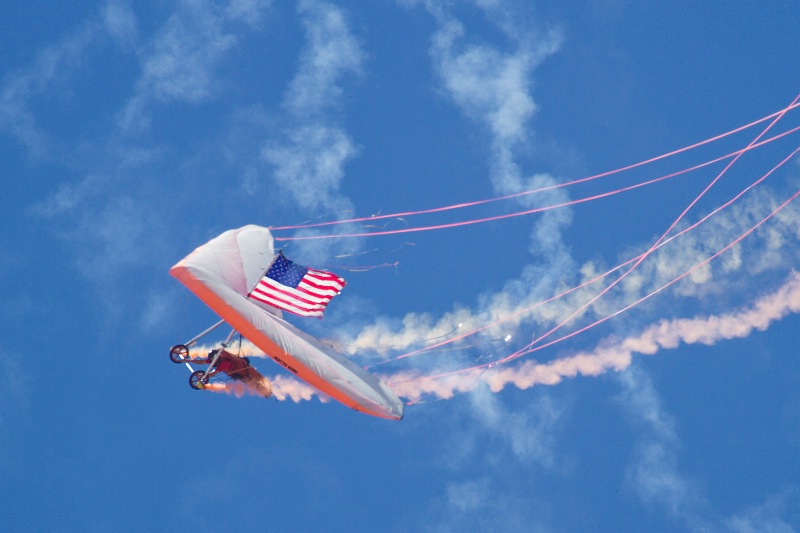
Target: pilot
(233, 365)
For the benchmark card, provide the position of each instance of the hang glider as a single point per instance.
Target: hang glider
(228, 274)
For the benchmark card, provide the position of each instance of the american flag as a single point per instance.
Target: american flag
(295, 288)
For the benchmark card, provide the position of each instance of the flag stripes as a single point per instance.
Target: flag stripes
(295, 288)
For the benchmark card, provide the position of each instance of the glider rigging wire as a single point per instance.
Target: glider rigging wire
(735, 155)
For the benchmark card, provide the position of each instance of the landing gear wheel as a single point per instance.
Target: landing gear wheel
(178, 353)
(197, 381)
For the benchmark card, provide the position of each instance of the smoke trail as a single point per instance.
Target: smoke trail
(610, 355)
(283, 387)
(235, 388)
(614, 354)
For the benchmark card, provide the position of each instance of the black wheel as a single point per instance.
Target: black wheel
(178, 353)
(196, 380)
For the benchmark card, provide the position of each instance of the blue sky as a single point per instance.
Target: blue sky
(130, 134)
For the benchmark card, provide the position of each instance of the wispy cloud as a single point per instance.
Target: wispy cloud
(489, 84)
(309, 160)
(656, 476)
(309, 166)
(180, 63)
(776, 515)
(14, 385)
(119, 169)
(52, 66)
(654, 473)
(331, 52)
(482, 504)
(492, 85)
(120, 22)
(529, 434)
(309, 157)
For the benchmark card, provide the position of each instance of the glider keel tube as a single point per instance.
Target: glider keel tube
(220, 273)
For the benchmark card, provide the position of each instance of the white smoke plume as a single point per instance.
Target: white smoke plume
(283, 386)
(616, 355)
(610, 355)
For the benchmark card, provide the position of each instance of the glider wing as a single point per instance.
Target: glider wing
(222, 273)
